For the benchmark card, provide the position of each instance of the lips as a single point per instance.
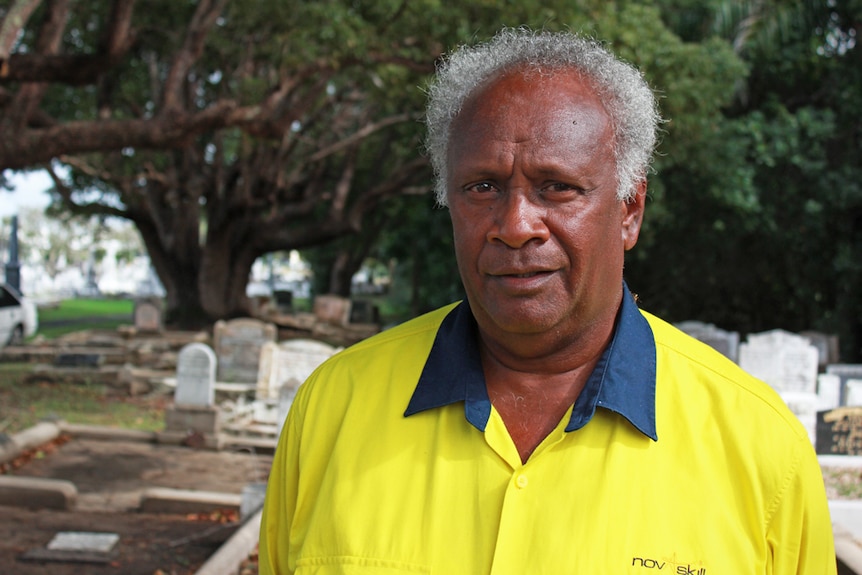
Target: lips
(519, 273)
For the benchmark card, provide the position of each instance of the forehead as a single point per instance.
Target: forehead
(556, 109)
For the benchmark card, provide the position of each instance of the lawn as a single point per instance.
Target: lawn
(24, 403)
(73, 315)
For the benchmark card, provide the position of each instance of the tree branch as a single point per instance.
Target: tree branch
(10, 29)
(205, 15)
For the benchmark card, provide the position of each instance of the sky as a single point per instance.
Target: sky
(28, 190)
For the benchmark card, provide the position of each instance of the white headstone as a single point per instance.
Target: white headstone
(285, 400)
(829, 390)
(288, 364)
(237, 345)
(854, 393)
(196, 371)
(785, 361)
(83, 541)
(845, 371)
(804, 406)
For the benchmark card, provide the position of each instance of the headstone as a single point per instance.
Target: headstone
(829, 390)
(288, 364)
(237, 345)
(854, 393)
(804, 406)
(285, 401)
(74, 547)
(283, 300)
(845, 371)
(251, 500)
(148, 315)
(196, 371)
(332, 309)
(725, 342)
(785, 361)
(827, 346)
(839, 431)
(363, 311)
(83, 541)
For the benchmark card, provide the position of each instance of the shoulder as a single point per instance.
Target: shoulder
(418, 332)
(388, 362)
(707, 380)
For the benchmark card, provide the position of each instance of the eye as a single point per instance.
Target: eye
(481, 188)
(557, 188)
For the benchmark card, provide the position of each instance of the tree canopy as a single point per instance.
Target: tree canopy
(225, 130)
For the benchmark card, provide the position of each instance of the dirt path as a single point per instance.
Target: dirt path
(110, 477)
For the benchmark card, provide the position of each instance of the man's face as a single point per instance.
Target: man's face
(539, 233)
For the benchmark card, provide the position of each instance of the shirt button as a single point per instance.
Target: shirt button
(521, 481)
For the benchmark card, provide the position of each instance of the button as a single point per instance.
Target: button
(521, 481)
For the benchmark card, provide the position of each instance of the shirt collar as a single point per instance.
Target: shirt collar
(623, 380)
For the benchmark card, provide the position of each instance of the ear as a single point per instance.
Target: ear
(633, 213)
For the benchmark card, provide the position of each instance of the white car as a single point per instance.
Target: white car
(18, 317)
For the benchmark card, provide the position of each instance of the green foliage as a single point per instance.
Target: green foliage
(758, 216)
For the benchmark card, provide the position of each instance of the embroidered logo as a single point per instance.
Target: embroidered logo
(668, 566)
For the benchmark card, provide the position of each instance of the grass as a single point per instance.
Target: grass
(23, 402)
(76, 314)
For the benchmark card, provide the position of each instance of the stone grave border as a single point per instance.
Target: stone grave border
(62, 495)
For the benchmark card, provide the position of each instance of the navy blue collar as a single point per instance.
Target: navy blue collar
(623, 381)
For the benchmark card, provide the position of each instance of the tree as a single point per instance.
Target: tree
(758, 223)
(231, 138)
(228, 130)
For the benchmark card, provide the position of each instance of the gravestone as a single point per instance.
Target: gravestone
(237, 346)
(725, 342)
(288, 364)
(854, 393)
(788, 363)
(827, 346)
(283, 300)
(332, 309)
(362, 311)
(846, 372)
(785, 361)
(84, 541)
(196, 371)
(839, 431)
(829, 390)
(285, 401)
(193, 414)
(148, 315)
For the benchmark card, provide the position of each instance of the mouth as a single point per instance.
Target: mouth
(525, 275)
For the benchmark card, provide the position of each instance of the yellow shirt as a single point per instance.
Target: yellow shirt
(671, 461)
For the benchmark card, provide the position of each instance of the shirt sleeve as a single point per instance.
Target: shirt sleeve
(799, 532)
(275, 552)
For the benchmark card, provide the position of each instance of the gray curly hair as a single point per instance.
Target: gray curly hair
(626, 95)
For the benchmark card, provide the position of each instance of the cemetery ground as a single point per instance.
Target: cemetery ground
(110, 475)
(108, 416)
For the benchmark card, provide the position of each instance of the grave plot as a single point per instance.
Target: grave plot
(137, 507)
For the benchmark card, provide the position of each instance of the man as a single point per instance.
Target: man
(545, 425)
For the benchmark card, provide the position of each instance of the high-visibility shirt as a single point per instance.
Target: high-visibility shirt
(672, 460)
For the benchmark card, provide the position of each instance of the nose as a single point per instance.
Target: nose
(517, 221)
